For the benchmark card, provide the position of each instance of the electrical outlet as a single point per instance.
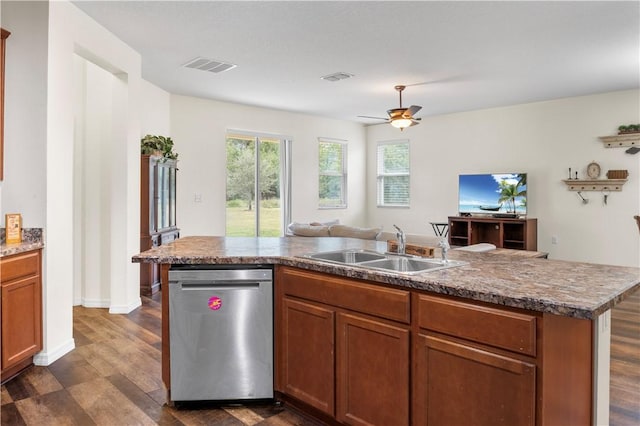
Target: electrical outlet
(554, 239)
(197, 198)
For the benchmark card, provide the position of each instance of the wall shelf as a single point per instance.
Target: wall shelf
(621, 141)
(595, 185)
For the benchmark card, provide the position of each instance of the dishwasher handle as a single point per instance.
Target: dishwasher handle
(220, 275)
(203, 285)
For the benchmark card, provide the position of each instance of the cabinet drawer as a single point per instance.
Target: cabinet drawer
(345, 293)
(495, 327)
(20, 265)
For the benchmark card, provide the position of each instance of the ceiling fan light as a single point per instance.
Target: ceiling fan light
(401, 123)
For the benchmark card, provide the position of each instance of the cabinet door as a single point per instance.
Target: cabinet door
(21, 320)
(457, 384)
(307, 365)
(372, 372)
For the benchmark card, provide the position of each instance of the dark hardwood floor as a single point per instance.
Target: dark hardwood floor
(113, 378)
(624, 408)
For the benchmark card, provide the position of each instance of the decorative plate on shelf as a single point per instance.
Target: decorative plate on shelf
(593, 170)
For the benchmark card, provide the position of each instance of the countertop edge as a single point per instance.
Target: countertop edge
(396, 280)
(12, 249)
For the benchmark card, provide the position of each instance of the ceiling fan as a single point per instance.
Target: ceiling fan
(400, 117)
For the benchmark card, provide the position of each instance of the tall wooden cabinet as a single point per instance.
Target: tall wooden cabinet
(3, 36)
(157, 214)
(21, 311)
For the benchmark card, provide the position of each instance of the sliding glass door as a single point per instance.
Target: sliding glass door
(257, 185)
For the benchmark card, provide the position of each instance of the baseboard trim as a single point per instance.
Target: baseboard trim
(45, 358)
(95, 303)
(125, 309)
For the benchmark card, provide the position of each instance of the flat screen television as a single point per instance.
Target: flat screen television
(498, 194)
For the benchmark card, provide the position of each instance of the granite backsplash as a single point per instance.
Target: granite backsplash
(29, 235)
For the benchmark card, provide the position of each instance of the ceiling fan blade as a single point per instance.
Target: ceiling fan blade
(414, 122)
(375, 118)
(412, 110)
(396, 112)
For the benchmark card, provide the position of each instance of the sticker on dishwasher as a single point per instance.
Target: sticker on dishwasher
(215, 303)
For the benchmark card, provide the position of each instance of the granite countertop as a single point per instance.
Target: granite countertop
(31, 240)
(573, 289)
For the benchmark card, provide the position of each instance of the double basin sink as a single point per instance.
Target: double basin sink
(385, 261)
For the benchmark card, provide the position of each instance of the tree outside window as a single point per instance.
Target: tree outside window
(393, 174)
(332, 165)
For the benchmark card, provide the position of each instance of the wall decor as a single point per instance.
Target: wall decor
(13, 225)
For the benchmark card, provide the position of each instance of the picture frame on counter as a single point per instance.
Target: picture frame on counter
(13, 226)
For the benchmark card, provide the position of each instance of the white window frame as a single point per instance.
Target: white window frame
(381, 175)
(343, 174)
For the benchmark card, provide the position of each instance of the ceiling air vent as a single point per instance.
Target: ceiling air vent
(210, 65)
(337, 76)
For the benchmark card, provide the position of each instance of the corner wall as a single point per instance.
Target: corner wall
(73, 32)
(542, 139)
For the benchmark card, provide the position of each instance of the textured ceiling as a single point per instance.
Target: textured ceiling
(470, 55)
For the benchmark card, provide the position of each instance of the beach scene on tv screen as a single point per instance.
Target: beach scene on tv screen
(493, 193)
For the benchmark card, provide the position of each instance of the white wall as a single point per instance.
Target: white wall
(542, 139)
(155, 113)
(198, 129)
(93, 87)
(25, 125)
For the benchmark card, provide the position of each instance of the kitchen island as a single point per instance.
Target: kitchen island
(503, 339)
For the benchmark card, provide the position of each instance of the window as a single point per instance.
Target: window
(393, 174)
(258, 188)
(332, 165)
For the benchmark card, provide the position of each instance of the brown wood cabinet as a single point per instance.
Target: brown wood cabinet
(461, 372)
(21, 311)
(460, 384)
(372, 380)
(308, 340)
(157, 214)
(518, 234)
(342, 347)
(3, 36)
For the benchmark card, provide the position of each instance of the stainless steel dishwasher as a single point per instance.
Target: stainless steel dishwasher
(221, 332)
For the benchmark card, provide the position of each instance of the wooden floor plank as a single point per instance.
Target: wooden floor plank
(42, 380)
(143, 401)
(624, 407)
(105, 404)
(72, 369)
(5, 398)
(9, 415)
(245, 415)
(54, 408)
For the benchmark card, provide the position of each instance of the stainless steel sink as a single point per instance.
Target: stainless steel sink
(347, 256)
(411, 265)
(386, 262)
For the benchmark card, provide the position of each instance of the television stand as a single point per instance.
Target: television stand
(508, 233)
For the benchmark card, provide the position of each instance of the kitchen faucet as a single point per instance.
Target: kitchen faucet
(401, 240)
(444, 245)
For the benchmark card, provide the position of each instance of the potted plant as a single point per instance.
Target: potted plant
(158, 145)
(631, 128)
